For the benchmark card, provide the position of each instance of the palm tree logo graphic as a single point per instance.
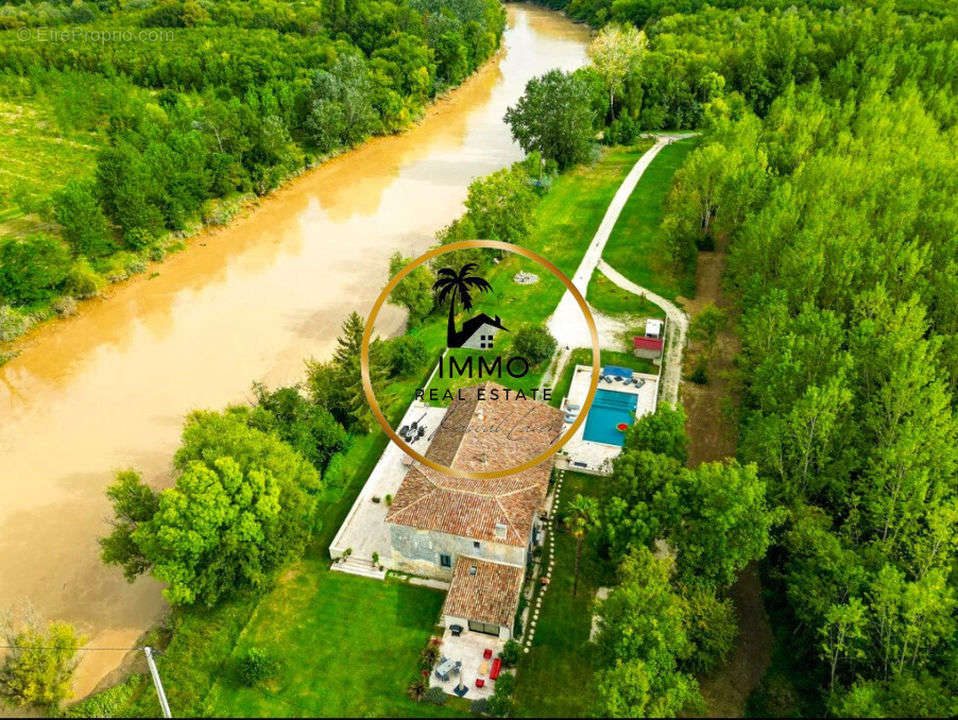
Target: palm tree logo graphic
(478, 331)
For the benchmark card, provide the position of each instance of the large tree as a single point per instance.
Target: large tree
(614, 51)
(241, 504)
(38, 666)
(554, 117)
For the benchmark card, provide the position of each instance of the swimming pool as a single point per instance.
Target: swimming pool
(609, 408)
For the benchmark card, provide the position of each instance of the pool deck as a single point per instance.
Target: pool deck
(596, 458)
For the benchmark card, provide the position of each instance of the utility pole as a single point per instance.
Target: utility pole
(164, 705)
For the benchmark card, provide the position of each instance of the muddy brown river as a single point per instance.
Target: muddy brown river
(109, 388)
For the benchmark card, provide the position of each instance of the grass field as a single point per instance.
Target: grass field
(565, 221)
(555, 679)
(609, 298)
(35, 158)
(635, 247)
(349, 647)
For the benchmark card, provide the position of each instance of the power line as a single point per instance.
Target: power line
(33, 647)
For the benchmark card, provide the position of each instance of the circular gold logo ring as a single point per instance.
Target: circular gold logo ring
(367, 337)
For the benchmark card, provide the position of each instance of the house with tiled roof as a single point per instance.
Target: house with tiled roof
(477, 534)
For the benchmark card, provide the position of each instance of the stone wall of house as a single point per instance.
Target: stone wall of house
(505, 633)
(417, 551)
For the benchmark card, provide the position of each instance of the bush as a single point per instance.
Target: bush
(510, 653)
(506, 685)
(255, 666)
(436, 696)
(711, 627)
(82, 281)
(64, 306)
(13, 323)
(31, 267)
(406, 355)
(534, 343)
(39, 669)
(700, 375)
(417, 688)
(622, 131)
(480, 706)
(428, 657)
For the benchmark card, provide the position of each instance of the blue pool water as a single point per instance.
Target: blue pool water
(608, 410)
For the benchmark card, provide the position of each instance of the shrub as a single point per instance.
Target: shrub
(82, 281)
(510, 653)
(39, 668)
(135, 265)
(13, 323)
(711, 627)
(506, 685)
(480, 706)
(534, 343)
(621, 131)
(428, 657)
(255, 666)
(31, 267)
(700, 375)
(64, 306)
(85, 227)
(436, 695)
(417, 688)
(406, 355)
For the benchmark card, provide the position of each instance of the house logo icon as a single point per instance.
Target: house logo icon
(479, 331)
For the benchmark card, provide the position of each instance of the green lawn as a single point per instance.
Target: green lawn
(349, 644)
(609, 298)
(565, 221)
(555, 679)
(635, 247)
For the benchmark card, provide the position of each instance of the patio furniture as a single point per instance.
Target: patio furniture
(460, 689)
(484, 667)
(496, 668)
(480, 682)
(445, 668)
(456, 630)
(487, 653)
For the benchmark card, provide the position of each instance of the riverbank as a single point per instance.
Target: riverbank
(148, 264)
(297, 616)
(109, 388)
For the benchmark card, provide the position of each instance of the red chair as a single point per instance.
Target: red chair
(487, 653)
(480, 682)
(496, 667)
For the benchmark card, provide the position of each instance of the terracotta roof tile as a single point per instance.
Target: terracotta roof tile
(481, 434)
(490, 595)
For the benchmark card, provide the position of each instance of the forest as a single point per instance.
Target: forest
(826, 174)
(172, 129)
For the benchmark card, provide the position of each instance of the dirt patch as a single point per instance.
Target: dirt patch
(726, 690)
(711, 425)
(712, 433)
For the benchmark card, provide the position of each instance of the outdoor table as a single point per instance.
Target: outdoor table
(445, 668)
